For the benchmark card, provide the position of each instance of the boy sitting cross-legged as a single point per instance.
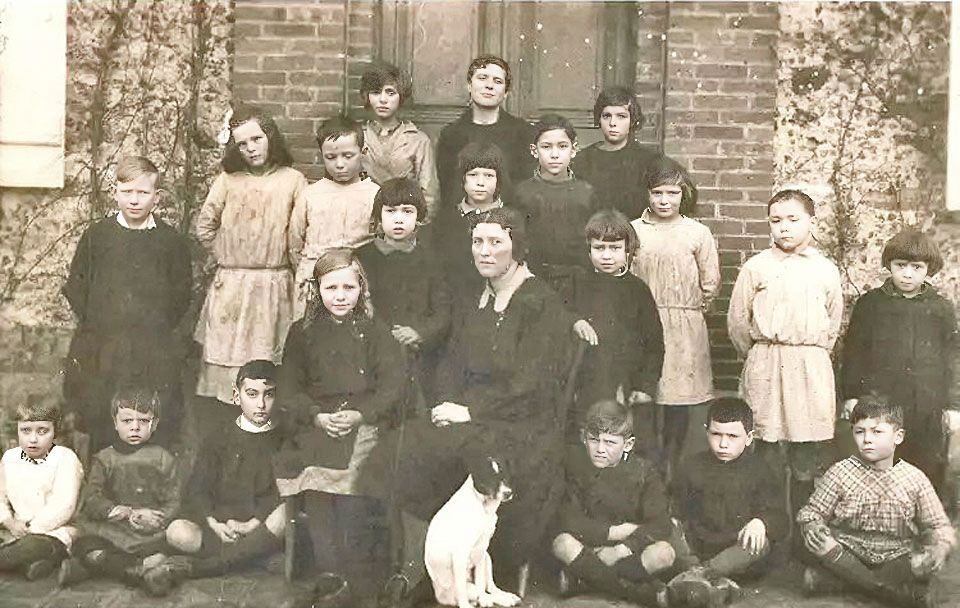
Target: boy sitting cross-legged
(130, 496)
(874, 522)
(615, 524)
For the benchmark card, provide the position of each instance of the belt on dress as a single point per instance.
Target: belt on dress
(254, 269)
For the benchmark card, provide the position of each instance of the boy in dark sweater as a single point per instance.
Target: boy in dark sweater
(129, 286)
(730, 503)
(628, 338)
(615, 524)
(232, 513)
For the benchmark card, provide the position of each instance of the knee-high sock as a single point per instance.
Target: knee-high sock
(588, 567)
(258, 543)
(733, 560)
(28, 549)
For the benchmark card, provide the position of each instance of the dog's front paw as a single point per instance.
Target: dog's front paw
(505, 598)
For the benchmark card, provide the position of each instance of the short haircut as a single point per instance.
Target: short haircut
(139, 399)
(483, 61)
(44, 411)
(483, 156)
(666, 171)
(513, 222)
(380, 75)
(609, 416)
(339, 126)
(257, 369)
(913, 246)
(731, 409)
(395, 192)
(874, 405)
(553, 122)
(277, 151)
(338, 259)
(794, 195)
(618, 96)
(130, 168)
(611, 225)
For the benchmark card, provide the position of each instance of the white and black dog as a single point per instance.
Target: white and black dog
(455, 551)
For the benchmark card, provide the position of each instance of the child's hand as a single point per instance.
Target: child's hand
(119, 513)
(639, 398)
(621, 532)
(248, 526)
(223, 532)
(586, 332)
(407, 336)
(323, 421)
(817, 538)
(927, 562)
(345, 421)
(611, 555)
(753, 537)
(706, 306)
(147, 520)
(449, 413)
(16, 527)
(848, 406)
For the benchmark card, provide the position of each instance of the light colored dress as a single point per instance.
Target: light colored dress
(249, 305)
(327, 215)
(403, 151)
(680, 264)
(785, 315)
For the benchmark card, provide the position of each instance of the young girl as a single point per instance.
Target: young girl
(784, 316)
(342, 376)
(243, 222)
(678, 259)
(393, 147)
(39, 486)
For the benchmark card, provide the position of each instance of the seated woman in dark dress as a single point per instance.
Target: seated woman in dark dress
(498, 388)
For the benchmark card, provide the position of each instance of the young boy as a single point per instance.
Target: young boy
(39, 487)
(615, 524)
(728, 499)
(131, 494)
(557, 206)
(333, 212)
(617, 166)
(874, 520)
(628, 336)
(900, 343)
(232, 512)
(129, 286)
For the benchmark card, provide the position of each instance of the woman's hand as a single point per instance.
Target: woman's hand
(586, 332)
(407, 336)
(449, 413)
(339, 423)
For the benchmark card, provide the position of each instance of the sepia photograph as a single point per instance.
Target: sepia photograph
(479, 303)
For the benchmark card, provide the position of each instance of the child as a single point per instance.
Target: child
(249, 305)
(557, 206)
(39, 486)
(628, 354)
(617, 166)
(395, 148)
(342, 377)
(232, 512)
(129, 285)
(874, 520)
(615, 524)
(728, 499)
(678, 259)
(784, 316)
(900, 343)
(131, 494)
(335, 211)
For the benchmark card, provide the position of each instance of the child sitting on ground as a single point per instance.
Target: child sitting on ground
(131, 494)
(615, 524)
(874, 521)
(39, 486)
(730, 502)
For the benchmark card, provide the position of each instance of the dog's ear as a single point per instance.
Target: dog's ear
(487, 472)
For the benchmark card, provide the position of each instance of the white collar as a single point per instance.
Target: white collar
(501, 297)
(150, 224)
(466, 209)
(246, 425)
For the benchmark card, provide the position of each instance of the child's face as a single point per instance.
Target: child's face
(35, 437)
(133, 427)
(728, 440)
(877, 440)
(340, 291)
(252, 142)
(137, 198)
(615, 124)
(553, 151)
(665, 201)
(908, 275)
(606, 449)
(791, 225)
(399, 222)
(608, 257)
(480, 186)
(341, 159)
(385, 103)
(488, 86)
(255, 398)
(492, 250)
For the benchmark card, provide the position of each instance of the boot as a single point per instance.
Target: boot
(332, 592)
(159, 581)
(652, 592)
(631, 568)
(40, 569)
(694, 589)
(72, 571)
(588, 568)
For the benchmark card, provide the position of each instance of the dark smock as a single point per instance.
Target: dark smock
(619, 178)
